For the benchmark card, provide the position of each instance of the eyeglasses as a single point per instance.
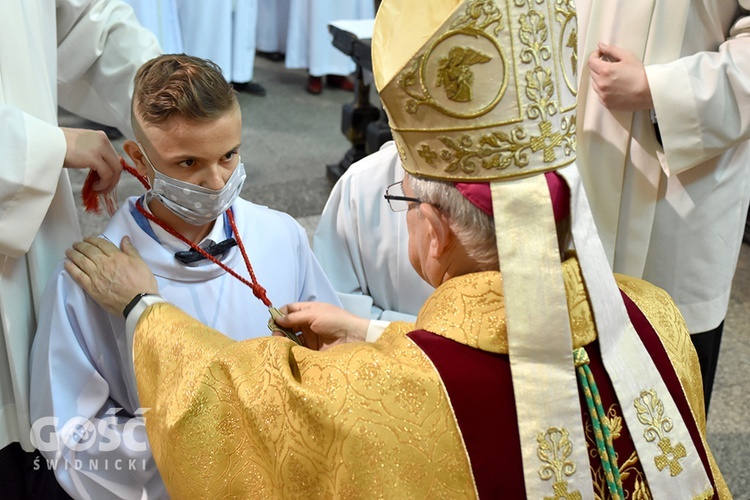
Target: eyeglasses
(396, 198)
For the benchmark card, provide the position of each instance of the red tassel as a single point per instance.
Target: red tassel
(91, 199)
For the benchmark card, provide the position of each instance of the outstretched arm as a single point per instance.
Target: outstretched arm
(323, 325)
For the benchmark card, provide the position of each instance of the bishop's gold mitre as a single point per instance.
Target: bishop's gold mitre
(478, 90)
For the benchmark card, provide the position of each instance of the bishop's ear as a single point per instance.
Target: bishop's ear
(438, 229)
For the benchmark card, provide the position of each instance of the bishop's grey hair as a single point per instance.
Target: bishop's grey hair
(473, 228)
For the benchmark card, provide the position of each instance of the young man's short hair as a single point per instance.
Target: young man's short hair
(179, 84)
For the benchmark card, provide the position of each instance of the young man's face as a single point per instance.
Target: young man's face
(204, 153)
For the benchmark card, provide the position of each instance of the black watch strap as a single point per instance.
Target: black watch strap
(133, 303)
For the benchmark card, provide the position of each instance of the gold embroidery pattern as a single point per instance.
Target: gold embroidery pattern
(501, 149)
(554, 449)
(476, 315)
(453, 70)
(651, 414)
(565, 14)
(582, 325)
(666, 319)
(265, 419)
(455, 75)
(709, 494)
(480, 15)
(639, 489)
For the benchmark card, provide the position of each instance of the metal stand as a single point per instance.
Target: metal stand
(359, 114)
(355, 117)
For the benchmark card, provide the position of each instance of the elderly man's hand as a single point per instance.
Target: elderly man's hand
(619, 78)
(110, 276)
(323, 325)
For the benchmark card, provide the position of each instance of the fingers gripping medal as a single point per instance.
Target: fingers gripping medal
(275, 327)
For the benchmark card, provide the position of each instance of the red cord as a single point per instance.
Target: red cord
(257, 289)
(91, 203)
(91, 198)
(135, 173)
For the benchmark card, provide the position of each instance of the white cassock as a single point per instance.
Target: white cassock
(160, 17)
(309, 43)
(222, 31)
(81, 370)
(273, 26)
(81, 55)
(363, 245)
(673, 216)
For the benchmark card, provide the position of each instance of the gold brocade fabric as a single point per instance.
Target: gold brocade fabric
(266, 419)
(478, 90)
(674, 336)
(663, 315)
(469, 309)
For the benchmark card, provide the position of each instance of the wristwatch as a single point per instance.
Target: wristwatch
(134, 303)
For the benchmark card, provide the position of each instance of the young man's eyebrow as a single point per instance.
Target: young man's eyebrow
(182, 157)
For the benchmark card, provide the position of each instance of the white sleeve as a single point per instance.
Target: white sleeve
(701, 101)
(131, 321)
(32, 152)
(375, 329)
(85, 413)
(101, 45)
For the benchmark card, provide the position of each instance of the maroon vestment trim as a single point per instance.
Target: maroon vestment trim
(481, 393)
(480, 388)
(661, 359)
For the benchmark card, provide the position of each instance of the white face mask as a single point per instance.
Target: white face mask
(194, 204)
